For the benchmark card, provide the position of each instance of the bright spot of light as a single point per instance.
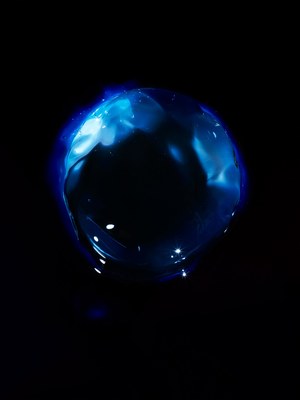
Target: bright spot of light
(102, 261)
(96, 239)
(90, 127)
(97, 270)
(183, 273)
(110, 226)
(178, 251)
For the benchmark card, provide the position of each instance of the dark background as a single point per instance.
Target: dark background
(230, 330)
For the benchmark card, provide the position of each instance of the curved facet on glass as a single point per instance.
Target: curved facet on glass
(149, 178)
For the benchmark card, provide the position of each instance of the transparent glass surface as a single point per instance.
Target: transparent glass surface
(147, 179)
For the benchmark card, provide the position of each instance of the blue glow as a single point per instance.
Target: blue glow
(176, 153)
(95, 313)
(146, 180)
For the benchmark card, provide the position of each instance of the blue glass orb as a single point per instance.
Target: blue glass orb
(148, 179)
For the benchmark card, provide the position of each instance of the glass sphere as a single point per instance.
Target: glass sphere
(148, 179)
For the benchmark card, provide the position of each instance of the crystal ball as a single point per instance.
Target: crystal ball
(147, 180)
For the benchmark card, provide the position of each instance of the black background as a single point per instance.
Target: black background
(231, 328)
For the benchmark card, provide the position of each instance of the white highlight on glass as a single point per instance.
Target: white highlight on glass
(96, 239)
(178, 251)
(84, 141)
(99, 252)
(183, 273)
(97, 270)
(110, 226)
(102, 261)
